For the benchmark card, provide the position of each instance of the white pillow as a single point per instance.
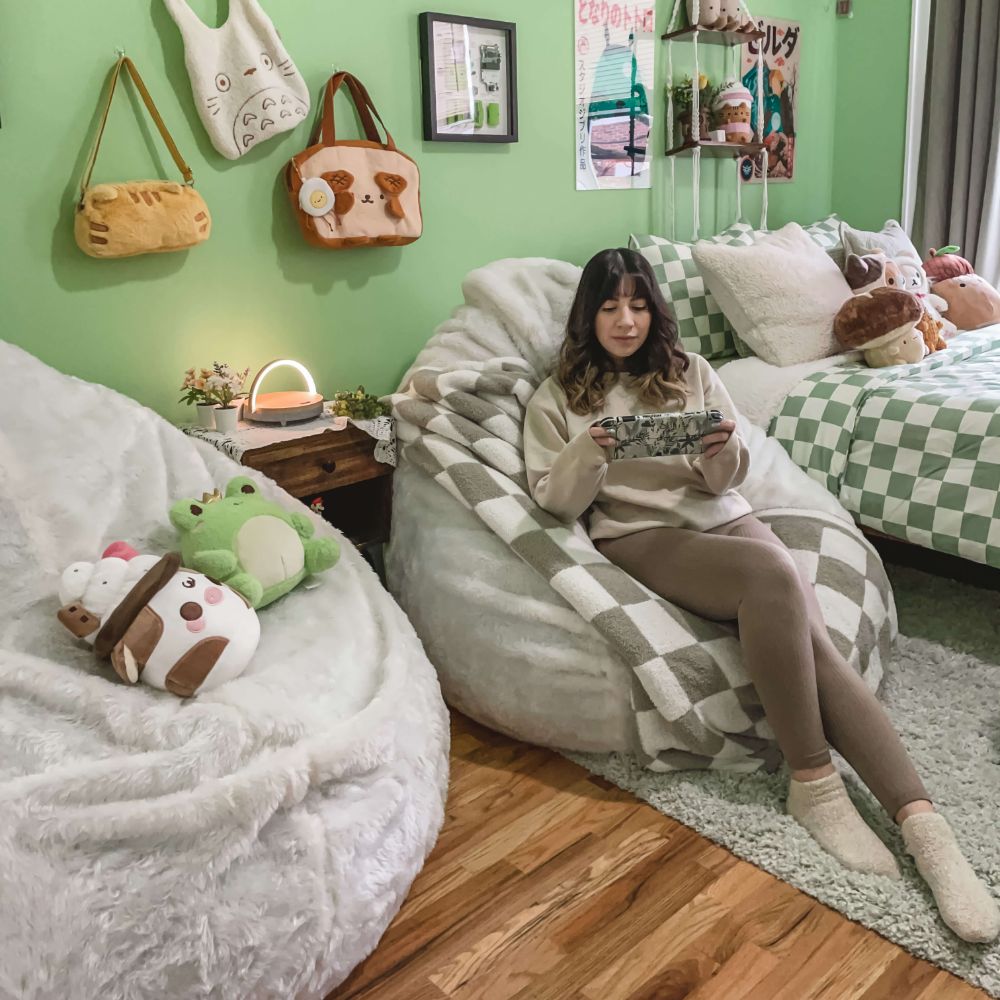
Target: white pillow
(781, 294)
(892, 241)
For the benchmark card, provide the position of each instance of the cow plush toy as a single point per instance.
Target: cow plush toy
(158, 622)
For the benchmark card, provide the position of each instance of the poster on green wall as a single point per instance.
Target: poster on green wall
(780, 46)
(615, 47)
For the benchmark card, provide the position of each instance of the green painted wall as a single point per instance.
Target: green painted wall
(873, 59)
(255, 290)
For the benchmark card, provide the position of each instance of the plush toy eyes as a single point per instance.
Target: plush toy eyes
(189, 583)
(196, 510)
(266, 60)
(316, 197)
(222, 82)
(247, 489)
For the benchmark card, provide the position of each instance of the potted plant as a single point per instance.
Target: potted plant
(215, 388)
(194, 391)
(683, 99)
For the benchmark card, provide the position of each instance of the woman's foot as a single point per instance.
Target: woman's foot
(965, 903)
(825, 809)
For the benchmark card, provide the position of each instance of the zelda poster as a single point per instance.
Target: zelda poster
(780, 46)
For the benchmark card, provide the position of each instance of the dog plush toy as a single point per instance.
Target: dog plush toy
(883, 324)
(157, 622)
(253, 545)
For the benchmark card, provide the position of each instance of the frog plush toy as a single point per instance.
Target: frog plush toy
(249, 543)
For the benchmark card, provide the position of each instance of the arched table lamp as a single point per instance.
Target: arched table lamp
(282, 407)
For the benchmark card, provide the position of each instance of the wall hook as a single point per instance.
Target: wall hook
(120, 52)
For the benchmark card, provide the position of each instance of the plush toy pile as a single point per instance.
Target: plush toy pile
(185, 622)
(885, 330)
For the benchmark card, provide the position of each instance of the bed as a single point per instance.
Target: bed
(253, 841)
(912, 451)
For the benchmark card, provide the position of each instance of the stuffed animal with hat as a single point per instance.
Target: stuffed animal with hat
(732, 111)
(883, 324)
(255, 546)
(157, 622)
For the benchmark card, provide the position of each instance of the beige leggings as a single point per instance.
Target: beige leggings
(810, 694)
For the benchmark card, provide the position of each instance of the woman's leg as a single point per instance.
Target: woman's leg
(856, 724)
(756, 583)
(854, 721)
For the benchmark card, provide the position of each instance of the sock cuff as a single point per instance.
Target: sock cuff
(813, 793)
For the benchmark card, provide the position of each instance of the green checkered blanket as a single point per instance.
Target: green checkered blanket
(912, 450)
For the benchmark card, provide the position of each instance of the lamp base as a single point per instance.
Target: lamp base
(284, 407)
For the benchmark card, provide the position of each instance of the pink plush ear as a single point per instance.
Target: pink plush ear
(119, 550)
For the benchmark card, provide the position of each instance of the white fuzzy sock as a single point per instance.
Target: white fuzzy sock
(825, 809)
(965, 903)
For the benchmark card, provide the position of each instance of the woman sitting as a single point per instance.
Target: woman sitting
(679, 525)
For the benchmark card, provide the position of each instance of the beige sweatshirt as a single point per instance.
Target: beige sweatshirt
(568, 472)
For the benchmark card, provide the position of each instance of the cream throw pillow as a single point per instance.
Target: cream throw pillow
(780, 295)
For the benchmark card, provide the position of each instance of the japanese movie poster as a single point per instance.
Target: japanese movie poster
(781, 85)
(615, 48)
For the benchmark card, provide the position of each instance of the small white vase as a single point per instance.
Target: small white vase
(226, 418)
(206, 415)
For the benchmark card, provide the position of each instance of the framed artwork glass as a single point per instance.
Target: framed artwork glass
(469, 78)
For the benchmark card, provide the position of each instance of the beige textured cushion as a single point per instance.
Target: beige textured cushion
(781, 294)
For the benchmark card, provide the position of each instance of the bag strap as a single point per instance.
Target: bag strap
(154, 114)
(326, 127)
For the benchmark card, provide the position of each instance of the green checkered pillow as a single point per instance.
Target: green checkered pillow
(700, 323)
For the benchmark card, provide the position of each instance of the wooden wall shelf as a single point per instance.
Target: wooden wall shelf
(709, 148)
(713, 37)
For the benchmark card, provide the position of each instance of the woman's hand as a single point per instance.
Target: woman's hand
(716, 441)
(602, 436)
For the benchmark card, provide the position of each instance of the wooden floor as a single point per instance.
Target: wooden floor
(548, 883)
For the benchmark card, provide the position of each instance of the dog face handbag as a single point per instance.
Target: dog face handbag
(356, 192)
(136, 217)
(246, 87)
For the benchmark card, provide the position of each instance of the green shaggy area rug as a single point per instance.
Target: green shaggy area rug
(942, 690)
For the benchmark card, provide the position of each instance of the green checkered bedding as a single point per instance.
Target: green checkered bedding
(913, 450)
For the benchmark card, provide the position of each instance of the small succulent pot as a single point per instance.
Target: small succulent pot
(684, 122)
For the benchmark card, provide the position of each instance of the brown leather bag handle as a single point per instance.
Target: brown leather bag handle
(326, 130)
(154, 114)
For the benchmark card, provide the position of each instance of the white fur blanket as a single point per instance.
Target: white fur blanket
(253, 841)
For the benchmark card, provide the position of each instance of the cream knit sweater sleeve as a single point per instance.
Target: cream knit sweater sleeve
(727, 469)
(564, 475)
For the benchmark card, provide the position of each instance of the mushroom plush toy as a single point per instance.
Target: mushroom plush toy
(883, 324)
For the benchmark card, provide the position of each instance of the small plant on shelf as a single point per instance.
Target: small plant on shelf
(358, 405)
(683, 97)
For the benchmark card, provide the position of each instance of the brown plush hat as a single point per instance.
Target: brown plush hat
(876, 318)
(946, 263)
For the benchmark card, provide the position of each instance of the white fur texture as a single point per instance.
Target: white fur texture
(780, 295)
(253, 841)
(510, 651)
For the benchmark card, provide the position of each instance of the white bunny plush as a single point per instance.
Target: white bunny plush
(245, 85)
(157, 622)
(709, 14)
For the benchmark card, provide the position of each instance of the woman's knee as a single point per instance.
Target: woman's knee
(775, 574)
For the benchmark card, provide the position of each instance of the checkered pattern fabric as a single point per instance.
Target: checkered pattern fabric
(693, 704)
(912, 450)
(702, 327)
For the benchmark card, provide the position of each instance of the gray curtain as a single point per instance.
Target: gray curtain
(958, 185)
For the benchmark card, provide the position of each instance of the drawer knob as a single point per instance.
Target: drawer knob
(328, 466)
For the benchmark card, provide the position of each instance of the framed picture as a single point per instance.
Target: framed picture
(469, 78)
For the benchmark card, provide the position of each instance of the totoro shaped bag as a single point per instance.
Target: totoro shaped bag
(354, 192)
(136, 217)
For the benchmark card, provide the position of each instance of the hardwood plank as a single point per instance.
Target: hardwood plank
(739, 974)
(548, 883)
(902, 979)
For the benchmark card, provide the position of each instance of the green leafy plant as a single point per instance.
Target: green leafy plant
(683, 98)
(358, 405)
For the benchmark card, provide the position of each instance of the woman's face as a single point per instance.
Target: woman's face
(622, 323)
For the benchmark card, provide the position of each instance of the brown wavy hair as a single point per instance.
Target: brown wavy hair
(586, 371)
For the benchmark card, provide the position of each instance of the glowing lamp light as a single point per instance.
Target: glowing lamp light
(281, 407)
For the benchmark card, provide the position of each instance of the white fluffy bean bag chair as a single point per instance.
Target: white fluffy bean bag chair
(511, 651)
(253, 841)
